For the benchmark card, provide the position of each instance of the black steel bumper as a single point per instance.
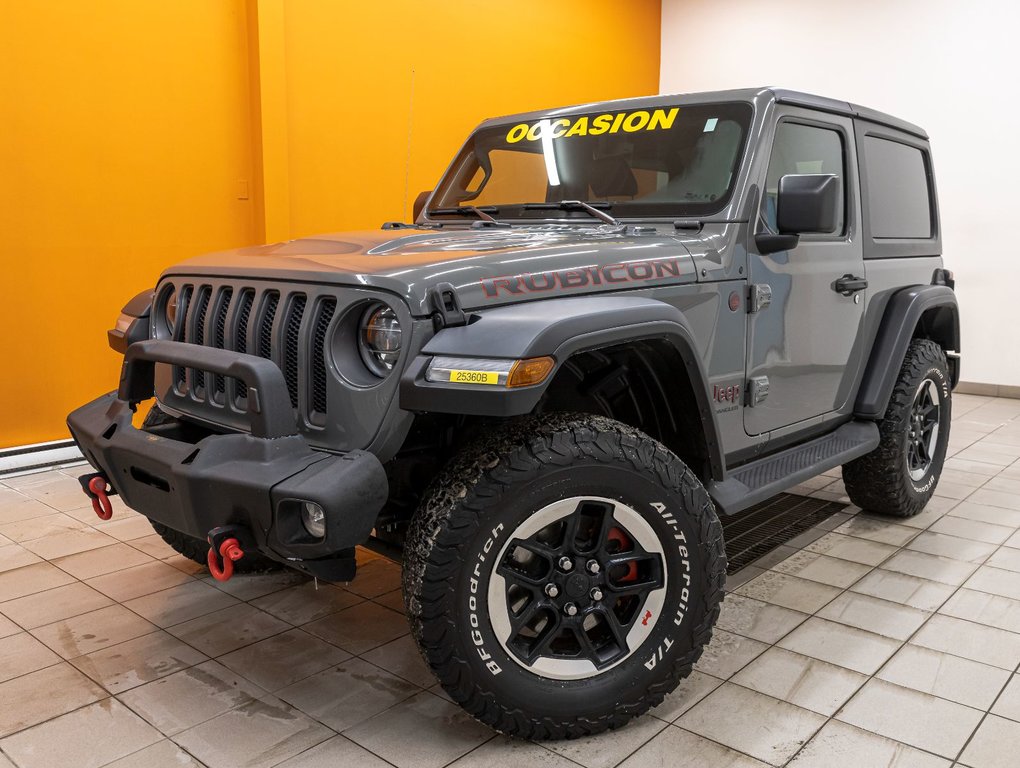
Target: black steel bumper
(256, 482)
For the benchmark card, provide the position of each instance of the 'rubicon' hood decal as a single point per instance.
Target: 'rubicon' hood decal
(487, 267)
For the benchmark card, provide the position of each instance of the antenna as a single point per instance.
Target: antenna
(407, 160)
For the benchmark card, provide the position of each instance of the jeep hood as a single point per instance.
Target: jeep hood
(486, 266)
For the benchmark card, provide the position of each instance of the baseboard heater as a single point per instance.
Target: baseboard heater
(24, 458)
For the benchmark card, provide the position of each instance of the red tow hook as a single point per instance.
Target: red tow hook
(230, 550)
(95, 487)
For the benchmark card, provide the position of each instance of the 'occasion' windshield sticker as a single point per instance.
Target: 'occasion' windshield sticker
(594, 125)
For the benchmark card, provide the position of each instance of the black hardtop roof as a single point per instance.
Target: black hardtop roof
(779, 95)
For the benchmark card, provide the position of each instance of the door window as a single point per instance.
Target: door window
(801, 148)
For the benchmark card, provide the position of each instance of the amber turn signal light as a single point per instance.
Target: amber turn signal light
(531, 371)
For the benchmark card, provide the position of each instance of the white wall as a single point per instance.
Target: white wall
(952, 67)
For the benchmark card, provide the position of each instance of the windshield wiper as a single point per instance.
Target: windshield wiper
(566, 205)
(482, 213)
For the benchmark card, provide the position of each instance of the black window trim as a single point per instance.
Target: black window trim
(896, 247)
(849, 217)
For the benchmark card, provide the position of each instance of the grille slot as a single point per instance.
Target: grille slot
(327, 308)
(220, 335)
(292, 335)
(265, 339)
(183, 304)
(246, 302)
(198, 337)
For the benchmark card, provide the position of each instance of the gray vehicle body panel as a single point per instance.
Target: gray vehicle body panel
(567, 283)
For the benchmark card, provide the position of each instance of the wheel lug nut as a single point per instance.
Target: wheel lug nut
(593, 566)
(566, 564)
(570, 609)
(596, 594)
(551, 590)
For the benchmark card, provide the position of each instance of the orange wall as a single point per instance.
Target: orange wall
(124, 133)
(129, 131)
(367, 89)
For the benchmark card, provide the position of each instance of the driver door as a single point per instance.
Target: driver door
(801, 346)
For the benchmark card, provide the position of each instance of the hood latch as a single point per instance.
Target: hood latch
(445, 304)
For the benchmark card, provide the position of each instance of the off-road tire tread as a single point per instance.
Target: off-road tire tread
(878, 481)
(453, 510)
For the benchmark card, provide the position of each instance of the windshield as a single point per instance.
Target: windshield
(655, 162)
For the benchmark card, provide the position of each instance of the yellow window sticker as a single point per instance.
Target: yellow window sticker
(594, 125)
(475, 377)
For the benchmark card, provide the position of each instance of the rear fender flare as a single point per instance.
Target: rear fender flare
(900, 322)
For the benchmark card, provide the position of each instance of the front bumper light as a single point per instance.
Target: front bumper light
(313, 517)
(489, 371)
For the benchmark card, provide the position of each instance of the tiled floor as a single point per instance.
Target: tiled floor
(865, 642)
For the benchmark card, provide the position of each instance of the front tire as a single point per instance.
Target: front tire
(563, 576)
(899, 477)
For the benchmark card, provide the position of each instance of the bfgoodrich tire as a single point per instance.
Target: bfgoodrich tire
(899, 477)
(563, 576)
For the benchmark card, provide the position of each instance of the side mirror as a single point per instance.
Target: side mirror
(419, 204)
(807, 202)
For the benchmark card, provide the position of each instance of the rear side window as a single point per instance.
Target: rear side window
(899, 198)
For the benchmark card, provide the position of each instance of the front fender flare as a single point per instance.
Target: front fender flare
(558, 328)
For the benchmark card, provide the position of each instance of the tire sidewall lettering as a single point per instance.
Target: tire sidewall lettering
(670, 626)
(480, 574)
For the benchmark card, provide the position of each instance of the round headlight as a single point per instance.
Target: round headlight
(379, 339)
(170, 309)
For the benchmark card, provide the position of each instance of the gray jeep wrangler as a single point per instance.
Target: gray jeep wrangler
(608, 325)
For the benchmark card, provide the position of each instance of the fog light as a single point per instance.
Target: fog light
(313, 517)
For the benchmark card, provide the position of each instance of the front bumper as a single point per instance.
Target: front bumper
(256, 482)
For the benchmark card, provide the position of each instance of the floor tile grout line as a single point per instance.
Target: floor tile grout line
(156, 629)
(986, 713)
(967, 742)
(904, 644)
(843, 591)
(165, 738)
(900, 548)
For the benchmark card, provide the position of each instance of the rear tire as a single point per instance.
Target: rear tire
(506, 605)
(899, 477)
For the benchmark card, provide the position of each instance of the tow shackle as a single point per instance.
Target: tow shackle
(97, 487)
(221, 561)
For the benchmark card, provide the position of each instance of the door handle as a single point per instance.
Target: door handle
(849, 285)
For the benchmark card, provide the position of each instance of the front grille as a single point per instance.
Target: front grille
(265, 322)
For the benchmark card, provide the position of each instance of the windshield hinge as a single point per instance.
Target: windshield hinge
(445, 304)
(759, 296)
